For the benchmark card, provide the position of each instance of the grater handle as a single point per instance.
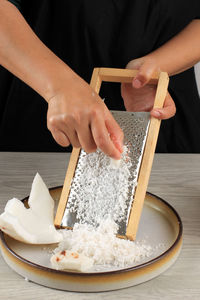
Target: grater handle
(147, 160)
(123, 75)
(161, 91)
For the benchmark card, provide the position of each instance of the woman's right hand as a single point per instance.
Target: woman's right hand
(78, 116)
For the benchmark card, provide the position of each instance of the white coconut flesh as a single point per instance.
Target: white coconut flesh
(32, 225)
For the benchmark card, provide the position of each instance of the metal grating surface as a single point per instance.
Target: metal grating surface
(100, 189)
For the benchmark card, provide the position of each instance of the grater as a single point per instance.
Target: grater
(97, 188)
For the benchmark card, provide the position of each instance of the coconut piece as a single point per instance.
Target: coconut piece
(115, 163)
(69, 260)
(33, 225)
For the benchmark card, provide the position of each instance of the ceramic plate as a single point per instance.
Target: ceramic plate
(160, 227)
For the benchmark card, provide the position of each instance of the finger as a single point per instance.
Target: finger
(135, 64)
(86, 139)
(59, 124)
(146, 68)
(167, 111)
(144, 74)
(72, 135)
(60, 138)
(102, 138)
(115, 132)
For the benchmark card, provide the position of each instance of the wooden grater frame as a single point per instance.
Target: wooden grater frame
(123, 75)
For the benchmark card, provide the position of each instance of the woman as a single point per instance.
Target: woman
(151, 35)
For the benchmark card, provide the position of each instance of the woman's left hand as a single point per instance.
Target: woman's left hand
(139, 95)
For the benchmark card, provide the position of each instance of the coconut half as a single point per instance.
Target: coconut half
(33, 225)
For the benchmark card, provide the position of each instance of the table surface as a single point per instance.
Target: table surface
(174, 177)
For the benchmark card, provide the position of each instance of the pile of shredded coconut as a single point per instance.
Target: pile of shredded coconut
(102, 245)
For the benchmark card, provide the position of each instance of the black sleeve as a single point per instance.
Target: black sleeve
(175, 16)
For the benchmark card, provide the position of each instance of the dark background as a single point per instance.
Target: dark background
(88, 34)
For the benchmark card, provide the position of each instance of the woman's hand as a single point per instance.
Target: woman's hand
(139, 95)
(78, 116)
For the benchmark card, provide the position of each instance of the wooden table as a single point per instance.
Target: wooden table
(174, 177)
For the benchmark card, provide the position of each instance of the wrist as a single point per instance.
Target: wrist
(57, 78)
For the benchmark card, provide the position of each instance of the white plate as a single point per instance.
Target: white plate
(160, 227)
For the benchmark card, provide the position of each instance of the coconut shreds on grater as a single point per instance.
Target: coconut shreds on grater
(106, 192)
(103, 188)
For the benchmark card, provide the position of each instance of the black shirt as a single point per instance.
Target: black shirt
(107, 33)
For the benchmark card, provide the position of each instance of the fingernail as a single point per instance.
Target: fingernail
(118, 144)
(119, 147)
(156, 113)
(137, 83)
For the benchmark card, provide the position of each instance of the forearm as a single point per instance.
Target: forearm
(24, 55)
(181, 52)
(76, 114)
